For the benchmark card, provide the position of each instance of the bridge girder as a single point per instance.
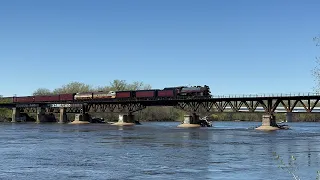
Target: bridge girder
(124, 107)
(267, 104)
(49, 110)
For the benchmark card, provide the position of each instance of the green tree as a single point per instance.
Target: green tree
(5, 99)
(42, 91)
(4, 113)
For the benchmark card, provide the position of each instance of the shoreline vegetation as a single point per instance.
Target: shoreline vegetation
(165, 113)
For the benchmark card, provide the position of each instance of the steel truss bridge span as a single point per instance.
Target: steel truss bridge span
(272, 104)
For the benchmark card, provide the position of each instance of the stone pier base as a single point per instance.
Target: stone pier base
(190, 122)
(15, 114)
(268, 123)
(40, 115)
(80, 119)
(63, 116)
(125, 120)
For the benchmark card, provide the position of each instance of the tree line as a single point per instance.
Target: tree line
(78, 87)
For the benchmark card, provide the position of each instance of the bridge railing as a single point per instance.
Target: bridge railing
(267, 95)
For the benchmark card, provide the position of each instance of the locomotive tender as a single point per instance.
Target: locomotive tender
(166, 93)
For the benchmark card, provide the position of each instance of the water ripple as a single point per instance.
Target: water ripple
(155, 151)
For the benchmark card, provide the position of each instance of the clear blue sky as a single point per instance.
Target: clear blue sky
(235, 47)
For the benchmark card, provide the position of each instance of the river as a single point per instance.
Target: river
(156, 150)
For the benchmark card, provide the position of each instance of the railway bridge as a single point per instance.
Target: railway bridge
(268, 104)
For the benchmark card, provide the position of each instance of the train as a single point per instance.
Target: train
(166, 93)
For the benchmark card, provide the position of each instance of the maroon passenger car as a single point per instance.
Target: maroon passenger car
(124, 94)
(146, 94)
(49, 98)
(166, 93)
(23, 99)
(67, 97)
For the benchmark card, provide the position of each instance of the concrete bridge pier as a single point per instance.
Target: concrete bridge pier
(81, 118)
(289, 117)
(63, 115)
(190, 121)
(268, 123)
(40, 115)
(125, 120)
(15, 114)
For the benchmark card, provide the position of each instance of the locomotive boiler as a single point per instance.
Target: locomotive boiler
(195, 91)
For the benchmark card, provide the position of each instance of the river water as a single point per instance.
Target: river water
(156, 150)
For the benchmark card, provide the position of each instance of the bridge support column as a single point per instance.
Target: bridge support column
(40, 114)
(190, 121)
(80, 119)
(195, 119)
(15, 114)
(63, 115)
(268, 123)
(125, 120)
(83, 117)
(289, 117)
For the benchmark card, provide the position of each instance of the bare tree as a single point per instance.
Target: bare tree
(317, 40)
(147, 87)
(73, 87)
(316, 70)
(138, 86)
(118, 85)
(102, 88)
(135, 85)
(42, 91)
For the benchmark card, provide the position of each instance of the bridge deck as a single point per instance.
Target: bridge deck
(250, 103)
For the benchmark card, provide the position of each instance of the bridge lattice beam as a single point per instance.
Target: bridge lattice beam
(129, 107)
(269, 104)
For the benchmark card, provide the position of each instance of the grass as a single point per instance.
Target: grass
(291, 167)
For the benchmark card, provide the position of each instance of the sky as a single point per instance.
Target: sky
(235, 47)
